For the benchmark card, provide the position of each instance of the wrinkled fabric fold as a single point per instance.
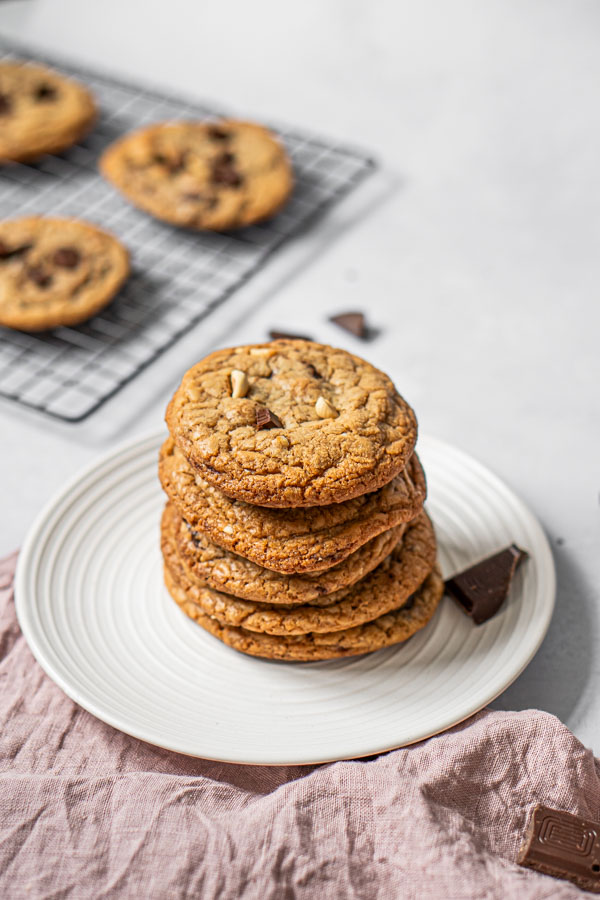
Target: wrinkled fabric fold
(86, 811)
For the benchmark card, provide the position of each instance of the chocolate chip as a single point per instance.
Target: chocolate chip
(227, 176)
(67, 257)
(45, 92)
(266, 419)
(354, 322)
(174, 164)
(5, 104)
(7, 252)
(287, 336)
(208, 203)
(177, 164)
(224, 172)
(39, 276)
(216, 133)
(312, 371)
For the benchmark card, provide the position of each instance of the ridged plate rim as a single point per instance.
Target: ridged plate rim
(31, 602)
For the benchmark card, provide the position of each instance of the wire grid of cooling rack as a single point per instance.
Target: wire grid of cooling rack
(177, 277)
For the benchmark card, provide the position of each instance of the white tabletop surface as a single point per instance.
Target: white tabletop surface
(474, 249)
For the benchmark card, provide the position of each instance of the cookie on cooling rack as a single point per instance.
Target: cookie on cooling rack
(56, 272)
(41, 111)
(202, 175)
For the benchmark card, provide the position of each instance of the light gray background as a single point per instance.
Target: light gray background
(474, 250)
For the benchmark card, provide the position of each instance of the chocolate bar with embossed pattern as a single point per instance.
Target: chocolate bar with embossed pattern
(566, 846)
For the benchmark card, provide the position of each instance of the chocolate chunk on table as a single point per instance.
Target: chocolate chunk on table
(481, 590)
(354, 322)
(563, 845)
(287, 336)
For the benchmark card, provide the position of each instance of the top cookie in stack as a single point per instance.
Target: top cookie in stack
(294, 528)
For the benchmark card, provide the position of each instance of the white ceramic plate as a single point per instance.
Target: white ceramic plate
(92, 605)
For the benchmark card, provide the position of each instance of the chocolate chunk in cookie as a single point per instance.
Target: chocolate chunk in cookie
(39, 276)
(45, 93)
(224, 171)
(67, 257)
(216, 133)
(266, 419)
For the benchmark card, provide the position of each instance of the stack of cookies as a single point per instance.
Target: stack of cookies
(294, 527)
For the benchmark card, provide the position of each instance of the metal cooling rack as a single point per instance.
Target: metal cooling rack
(177, 277)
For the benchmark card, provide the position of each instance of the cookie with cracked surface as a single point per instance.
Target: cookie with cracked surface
(383, 590)
(308, 539)
(56, 272)
(41, 111)
(203, 175)
(291, 423)
(211, 566)
(393, 628)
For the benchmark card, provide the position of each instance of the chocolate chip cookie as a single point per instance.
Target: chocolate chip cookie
(384, 589)
(41, 111)
(203, 175)
(291, 423)
(308, 539)
(211, 566)
(56, 272)
(391, 628)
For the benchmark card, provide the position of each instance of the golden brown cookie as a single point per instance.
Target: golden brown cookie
(392, 628)
(204, 175)
(384, 589)
(209, 565)
(41, 111)
(309, 539)
(291, 423)
(56, 272)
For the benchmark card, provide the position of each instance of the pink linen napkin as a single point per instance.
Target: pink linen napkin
(88, 812)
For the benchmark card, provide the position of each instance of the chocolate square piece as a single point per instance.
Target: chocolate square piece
(481, 590)
(563, 845)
